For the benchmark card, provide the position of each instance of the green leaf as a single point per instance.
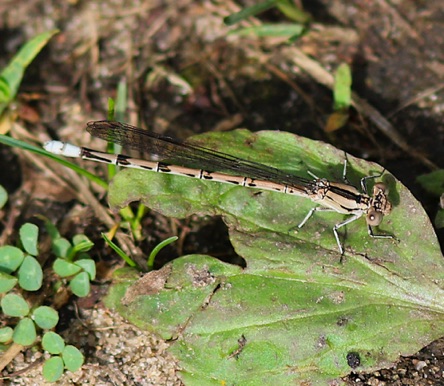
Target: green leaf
(342, 87)
(5, 92)
(89, 266)
(53, 369)
(7, 282)
(286, 7)
(80, 285)
(51, 228)
(297, 310)
(24, 332)
(111, 109)
(61, 247)
(432, 182)
(3, 196)
(249, 11)
(336, 120)
(29, 234)
(6, 334)
(272, 30)
(82, 243)
(53, 343)
(10, 258)
(14, 305)
(30, 274)
(119, 251)
(157, 249)
(73, 358)
(12, 75)
(45, 317)
(65, 268)
(294, 13)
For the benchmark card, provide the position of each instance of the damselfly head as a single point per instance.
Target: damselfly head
(380, 199)
(380, 206)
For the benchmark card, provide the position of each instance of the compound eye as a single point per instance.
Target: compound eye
(374, 218)
(380, 186)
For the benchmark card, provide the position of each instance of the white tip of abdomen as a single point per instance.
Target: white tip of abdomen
(62, 148)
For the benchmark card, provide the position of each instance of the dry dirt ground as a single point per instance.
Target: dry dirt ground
(396, 53)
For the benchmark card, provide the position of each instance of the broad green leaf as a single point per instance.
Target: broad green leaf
(12, 75)
(53, 369)
(10, 258)
(14, 305)
(194, 283)
(30, 274)
(53, 343)
(45, 317)
(72, 358)
(24, 332)
(296, 311)
(29, 234)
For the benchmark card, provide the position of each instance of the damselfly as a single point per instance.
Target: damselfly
(176, 156)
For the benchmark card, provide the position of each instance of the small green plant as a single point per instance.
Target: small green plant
(151, 257)
(62, 356)
(342, 98)
(73, 263)
(20, 272)
(297, 27)
(12, 75)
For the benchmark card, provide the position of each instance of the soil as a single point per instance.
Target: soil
(397, 61)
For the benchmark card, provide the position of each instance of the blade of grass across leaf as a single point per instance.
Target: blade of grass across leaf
(37, 150)
(297, 311)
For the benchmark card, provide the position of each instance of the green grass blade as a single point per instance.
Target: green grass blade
(4, 139)
(249, 11)
(12, 75)
(119, 251)
(156, 250)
